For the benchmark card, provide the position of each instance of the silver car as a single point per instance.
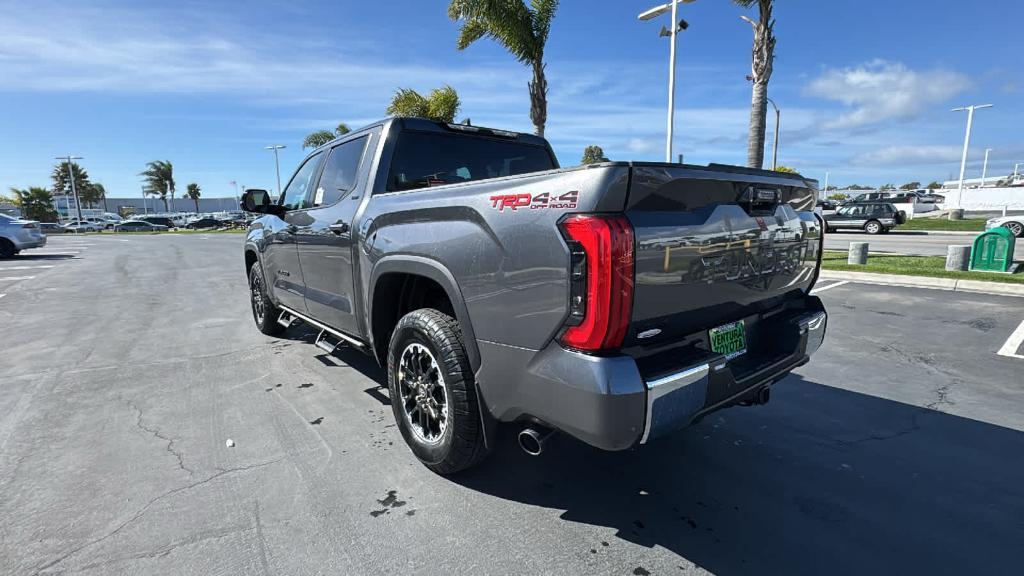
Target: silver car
(17, 235)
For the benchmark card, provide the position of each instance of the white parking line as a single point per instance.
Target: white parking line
(25, 267)
(1013, 343)
(823, 288)
(2, 295)
(17, 277)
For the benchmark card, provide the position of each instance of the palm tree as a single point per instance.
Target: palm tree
(61, 182)
(159, 179)
(36, 203)
(593, 155)
(521, 29)
(441, 105)
(762, 59)
(92, 192)
(321, 137)
(193, 192)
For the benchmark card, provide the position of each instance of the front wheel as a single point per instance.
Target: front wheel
(432, 390)
(873, 227)
(1015, 228)
(263, 310)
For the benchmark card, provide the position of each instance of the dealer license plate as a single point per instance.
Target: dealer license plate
(730, 340)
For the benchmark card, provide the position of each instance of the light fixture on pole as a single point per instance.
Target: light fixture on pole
(775, 142)
(984, 167)
(71, 177)
(677, 25)
(277, 164)
(1015, 166)
(967, 141)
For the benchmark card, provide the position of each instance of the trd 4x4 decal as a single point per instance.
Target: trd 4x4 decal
(540, 201)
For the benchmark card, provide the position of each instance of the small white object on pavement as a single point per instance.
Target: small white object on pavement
(230, 443)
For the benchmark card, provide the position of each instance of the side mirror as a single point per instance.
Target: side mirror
(256, 200)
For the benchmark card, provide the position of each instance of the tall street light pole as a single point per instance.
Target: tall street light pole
(967, 142)
(984, 167)
(71, 177)
(277, 164)
(676, 26)
(775, 142)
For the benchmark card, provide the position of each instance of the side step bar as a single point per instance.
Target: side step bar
(286, 319)
(323, 342)
(321, 339)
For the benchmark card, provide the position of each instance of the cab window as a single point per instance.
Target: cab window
(339, 177)
(296, 193)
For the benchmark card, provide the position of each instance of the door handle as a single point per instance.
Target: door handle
(339, 227)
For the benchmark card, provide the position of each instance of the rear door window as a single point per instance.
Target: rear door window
(339, 177)
(424, 159)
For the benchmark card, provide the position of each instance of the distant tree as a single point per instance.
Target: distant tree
(838, 196)
(193, 192)
(593, 155)
(911, 185)
(321, 137)
(786, 169)
(441, 105)
(62, 182)
(762, 61)
(6, 199)
(934, 185)
(522, 29)
(92, 193)
(159, 179)
(887, 187)
(126, 211)
(36, 203)
(855, 187)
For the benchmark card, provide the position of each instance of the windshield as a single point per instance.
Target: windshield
(424, 159)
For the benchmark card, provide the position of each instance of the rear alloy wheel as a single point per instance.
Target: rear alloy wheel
(263, 310)
(1015, 228)
(873, 227)
(432, 391)
(7, 248)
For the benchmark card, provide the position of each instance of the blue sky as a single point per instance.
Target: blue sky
(865, 94)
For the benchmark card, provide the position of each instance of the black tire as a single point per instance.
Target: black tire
(1015, 228)
(460, 444)
(7, 249)
(264, 313)
(873, 227)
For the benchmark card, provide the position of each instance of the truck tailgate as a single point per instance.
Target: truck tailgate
(716, 245)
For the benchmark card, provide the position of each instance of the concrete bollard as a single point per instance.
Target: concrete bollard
(858, 253)
(956, 214)
(958, 258)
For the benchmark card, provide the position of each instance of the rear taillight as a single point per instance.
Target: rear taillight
(601, 281)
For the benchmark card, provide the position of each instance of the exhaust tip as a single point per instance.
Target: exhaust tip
(532, 441)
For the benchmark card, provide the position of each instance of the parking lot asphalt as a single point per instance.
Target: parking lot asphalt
(905, 242)
(128, 365)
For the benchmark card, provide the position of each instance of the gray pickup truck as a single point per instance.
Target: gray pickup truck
(616, 302)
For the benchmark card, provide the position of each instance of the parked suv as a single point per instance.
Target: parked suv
(871, 217)
(615, 302)
(17, 235)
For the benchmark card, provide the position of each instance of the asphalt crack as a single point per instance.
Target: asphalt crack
(142, 511)
(156, 433)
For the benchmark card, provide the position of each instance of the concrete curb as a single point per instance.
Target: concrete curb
(951, 284)
(898, 232)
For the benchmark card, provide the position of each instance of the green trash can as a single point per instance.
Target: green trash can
(993, 251)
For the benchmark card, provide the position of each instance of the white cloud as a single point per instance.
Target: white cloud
(881, 90)
(905, 155)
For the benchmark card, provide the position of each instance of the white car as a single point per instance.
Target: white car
(17, 234)
(82, 226)
(1015, 224)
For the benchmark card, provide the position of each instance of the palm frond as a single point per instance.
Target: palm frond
(443, 104)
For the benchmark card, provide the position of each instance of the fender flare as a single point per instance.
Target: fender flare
(429, 268)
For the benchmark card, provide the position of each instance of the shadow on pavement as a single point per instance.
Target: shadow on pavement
(822, 480)
(21, 257)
